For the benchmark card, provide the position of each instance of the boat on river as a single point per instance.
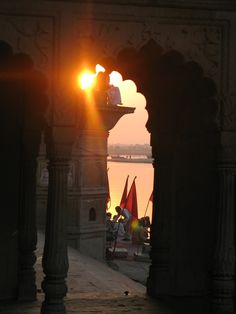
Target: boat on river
(130, 158)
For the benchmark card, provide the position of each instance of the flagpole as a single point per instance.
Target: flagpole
(130, 190)
(108, 207)
(146, 208)
(124, 194)
(115, 242)
(116, 236)
(150, 199)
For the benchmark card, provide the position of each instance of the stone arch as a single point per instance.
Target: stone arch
(167, 77)
(183, 122)
(182, 107)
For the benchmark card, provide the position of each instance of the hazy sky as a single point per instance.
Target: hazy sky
(130, 129)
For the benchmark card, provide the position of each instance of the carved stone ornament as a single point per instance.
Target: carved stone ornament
(209, 4)
(199, 40)
(223, 278)
(229, 112)
(64, 110)
(33, 35)
(204, 41)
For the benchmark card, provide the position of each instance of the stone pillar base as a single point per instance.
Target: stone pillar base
(222, 306)
(53, 308)
(55, 290)
(27, 290)
(222, 301)
(158, 282)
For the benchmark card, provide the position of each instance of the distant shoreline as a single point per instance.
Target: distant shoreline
(130, 159)
(130, 150)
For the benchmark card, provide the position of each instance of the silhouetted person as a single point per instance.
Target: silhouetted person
(127, 220)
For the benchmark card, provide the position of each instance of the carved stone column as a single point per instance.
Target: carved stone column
(90, 189)
(55, 259)
(27, 219)
(224, 259)
(159, 273)
(184, 137)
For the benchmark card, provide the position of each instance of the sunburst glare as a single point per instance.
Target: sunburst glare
(86, 80)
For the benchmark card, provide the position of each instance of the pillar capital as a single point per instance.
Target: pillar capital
(59, 141)
(98, 115)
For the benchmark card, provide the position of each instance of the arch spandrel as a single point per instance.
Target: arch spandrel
(31, 34)
(204, 41)
(200, 40)
(210, 4)
(180, 98)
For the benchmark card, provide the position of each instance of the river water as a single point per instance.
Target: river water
(117, 174)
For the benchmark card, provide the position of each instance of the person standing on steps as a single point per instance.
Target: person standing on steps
(126, 220)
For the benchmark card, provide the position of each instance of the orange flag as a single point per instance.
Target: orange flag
(131, 202)
(124, 195)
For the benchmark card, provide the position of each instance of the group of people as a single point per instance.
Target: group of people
(119, 227)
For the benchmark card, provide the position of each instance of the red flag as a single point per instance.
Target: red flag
(131, 201)
(151, 197)
(124, 195)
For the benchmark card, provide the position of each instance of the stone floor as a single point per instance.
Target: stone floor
(93, 287)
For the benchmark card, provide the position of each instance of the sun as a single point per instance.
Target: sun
(86, 80)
